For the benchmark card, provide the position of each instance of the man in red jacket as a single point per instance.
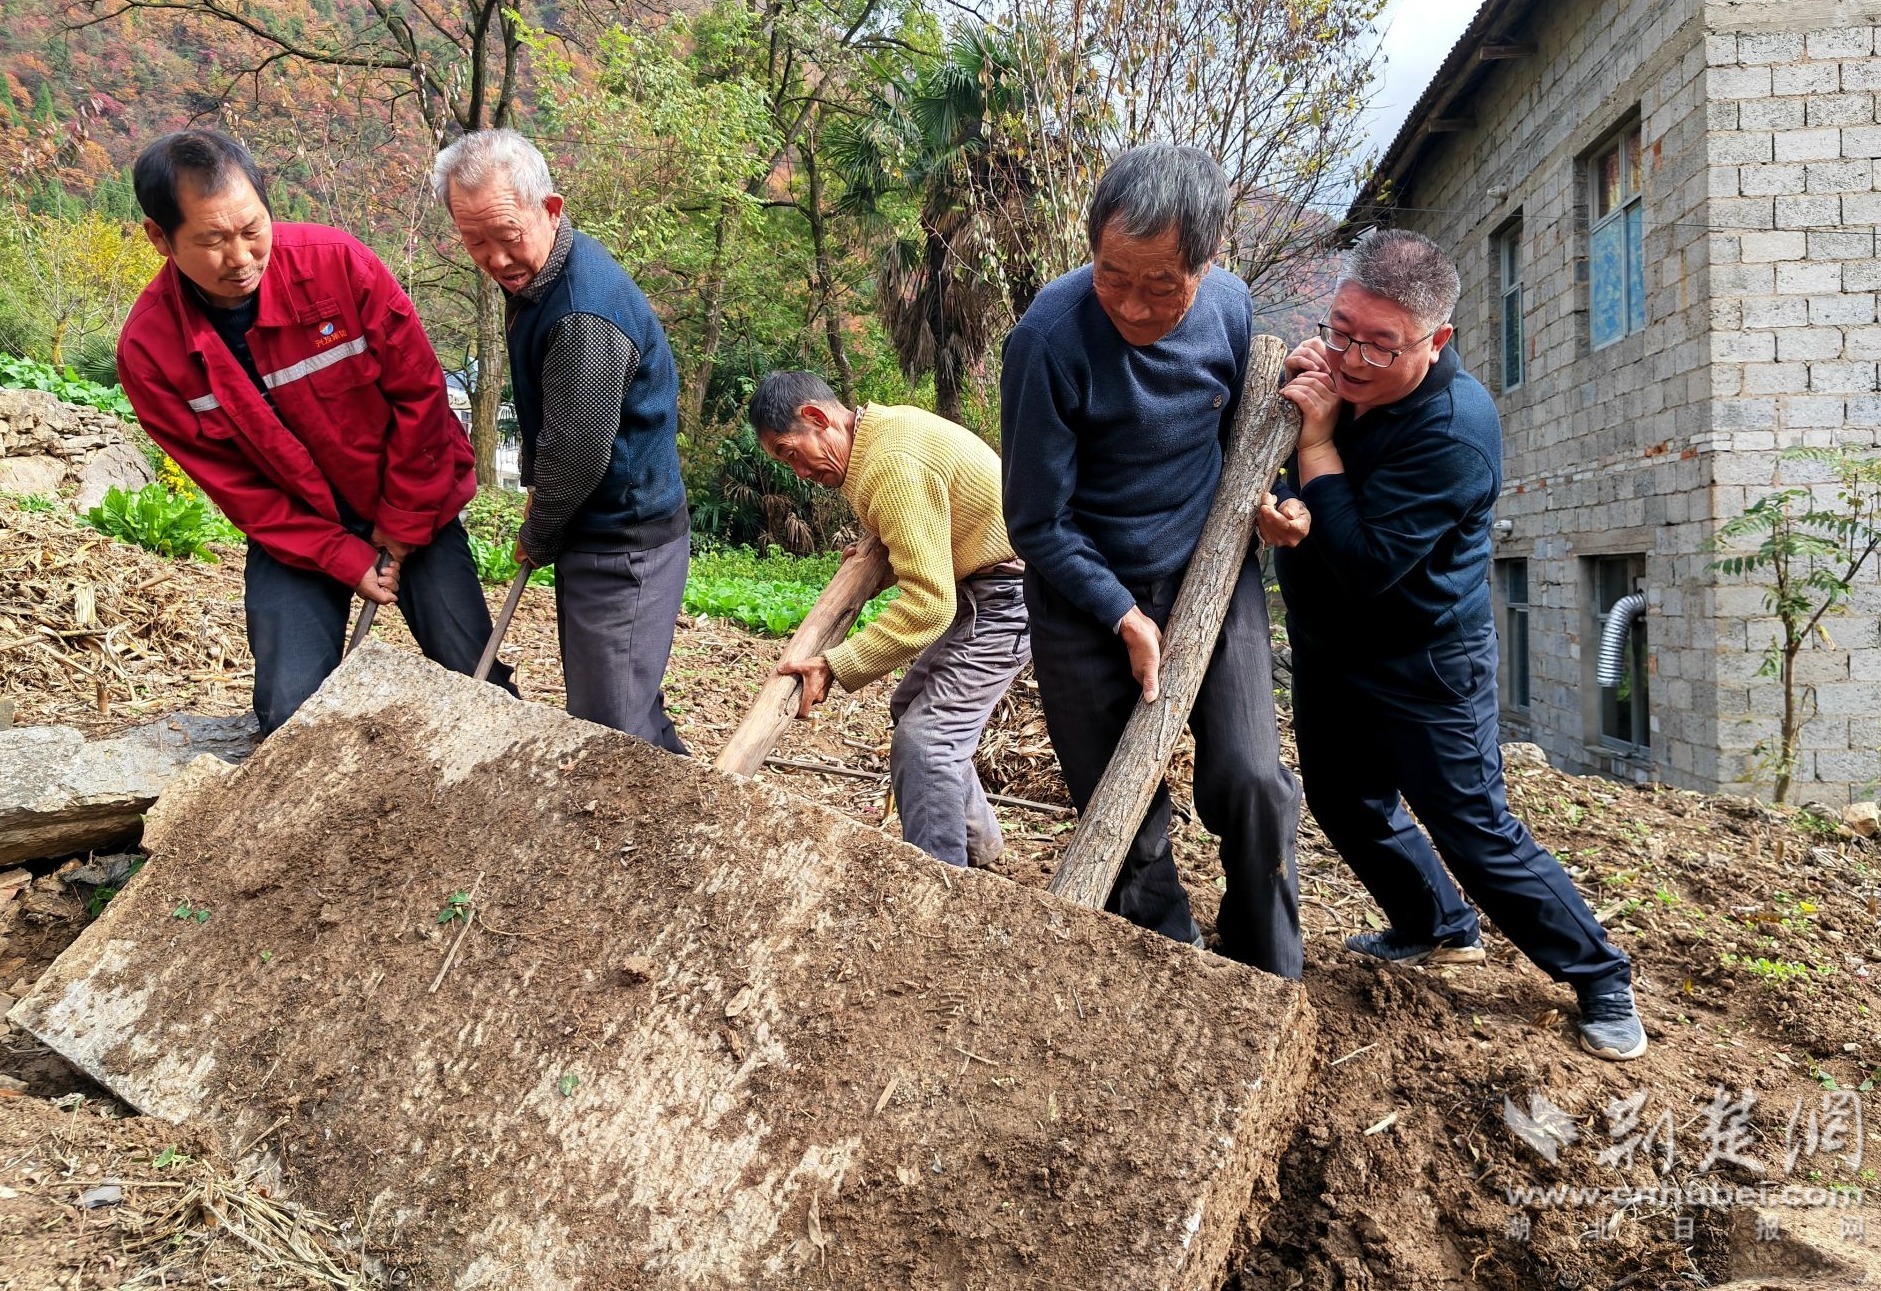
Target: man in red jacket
(283, 368)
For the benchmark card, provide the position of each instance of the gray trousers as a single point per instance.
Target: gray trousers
(615, 612)
(1243, 793)
(940, 708)
(297, 620)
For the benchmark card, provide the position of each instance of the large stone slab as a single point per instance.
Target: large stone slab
(700, 1033)
(62, 794)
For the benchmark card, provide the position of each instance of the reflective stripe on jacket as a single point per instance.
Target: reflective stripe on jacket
(363, 411)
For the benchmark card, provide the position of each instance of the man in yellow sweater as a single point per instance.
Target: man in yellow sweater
(930, 490)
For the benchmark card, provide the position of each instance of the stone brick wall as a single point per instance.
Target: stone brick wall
(1795, 135)
(1761, 137)
(1601, 447)
(47, 445)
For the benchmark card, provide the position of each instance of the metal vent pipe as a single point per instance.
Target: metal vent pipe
(1626, 611)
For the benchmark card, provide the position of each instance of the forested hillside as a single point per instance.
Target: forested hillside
(874, 188)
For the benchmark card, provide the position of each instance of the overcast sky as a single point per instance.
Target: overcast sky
(1417, 35)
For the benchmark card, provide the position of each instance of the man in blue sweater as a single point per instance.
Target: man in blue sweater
(597, 401)
(1118, 389)
(1383, 531)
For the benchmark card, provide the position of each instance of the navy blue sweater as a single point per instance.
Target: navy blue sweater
(1111, 451)
(1398, 552)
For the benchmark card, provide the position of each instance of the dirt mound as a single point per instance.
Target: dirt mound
(728, 1038)
(1754, 937)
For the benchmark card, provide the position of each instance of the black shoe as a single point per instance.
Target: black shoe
(1391, 948)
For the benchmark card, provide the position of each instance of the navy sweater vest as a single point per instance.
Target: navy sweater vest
(635, 503)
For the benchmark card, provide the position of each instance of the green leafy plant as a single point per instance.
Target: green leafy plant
(170, 1156)
(102, 897)
(496, 563)
(567, 1084)
(157, 520)
(186, 911)
(1808, 553)
(456, 906)
(63, 383)
(768, 593)
(37, 503)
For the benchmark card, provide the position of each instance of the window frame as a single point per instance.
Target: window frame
(1614, 577)
(1510, 296)
(1622, 224)
(1514, 637)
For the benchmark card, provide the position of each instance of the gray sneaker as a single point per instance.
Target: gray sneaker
(1393, 949)
(1610, 1026)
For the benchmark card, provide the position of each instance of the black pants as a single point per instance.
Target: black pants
(1421, 728)
(1242, 792)
(298, 620)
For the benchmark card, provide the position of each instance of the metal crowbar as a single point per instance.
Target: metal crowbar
(369, 610)
(502, 621)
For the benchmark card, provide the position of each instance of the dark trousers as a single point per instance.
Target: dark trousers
(1242, 792)
(298, 620)
(615, 612)
(1421, 729)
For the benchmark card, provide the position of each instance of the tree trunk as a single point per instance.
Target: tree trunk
(692, 413)
(1786, 750)
(1266, 428)
(826, 283)
(487, 397)
(946, 363)
(823, 627)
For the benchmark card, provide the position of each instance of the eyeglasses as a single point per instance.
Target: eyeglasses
(1376, 356)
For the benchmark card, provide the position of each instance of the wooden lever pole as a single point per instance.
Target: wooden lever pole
(1266, 429)
(825, 626)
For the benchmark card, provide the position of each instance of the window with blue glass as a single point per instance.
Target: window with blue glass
(1616, 271)
(1509, 255)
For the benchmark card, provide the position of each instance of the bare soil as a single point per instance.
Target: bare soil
(775, 1046)
(1756, 935)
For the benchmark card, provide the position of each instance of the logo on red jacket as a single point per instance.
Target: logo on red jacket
(327, 334)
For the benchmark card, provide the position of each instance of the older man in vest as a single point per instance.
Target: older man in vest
(597, 395)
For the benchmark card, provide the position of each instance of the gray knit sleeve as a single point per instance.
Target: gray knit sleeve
(585, 375)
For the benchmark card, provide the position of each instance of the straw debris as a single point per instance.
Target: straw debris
(94, 632)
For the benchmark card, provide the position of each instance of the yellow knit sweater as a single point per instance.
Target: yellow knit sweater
(930, 490)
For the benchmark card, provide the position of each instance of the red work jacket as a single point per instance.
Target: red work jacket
(363, 410)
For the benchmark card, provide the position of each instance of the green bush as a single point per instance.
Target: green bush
(768, 593)
(157, 520)
(496, 563)
(29, 374)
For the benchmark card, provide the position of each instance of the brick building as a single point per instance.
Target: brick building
(1664, 212)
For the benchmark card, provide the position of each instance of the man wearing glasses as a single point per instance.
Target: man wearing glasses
(1383, 536)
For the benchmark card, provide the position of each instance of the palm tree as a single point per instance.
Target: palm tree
(934, 137)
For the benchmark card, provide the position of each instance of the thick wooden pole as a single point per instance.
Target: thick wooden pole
(1266, 428)
(825, 626)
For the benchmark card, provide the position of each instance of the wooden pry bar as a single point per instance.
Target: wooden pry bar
(1266, 429)
(828, 621)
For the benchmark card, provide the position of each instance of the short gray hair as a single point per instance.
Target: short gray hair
(485, 157)
(1159, 186)
(1408, 269)
(779, 395)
